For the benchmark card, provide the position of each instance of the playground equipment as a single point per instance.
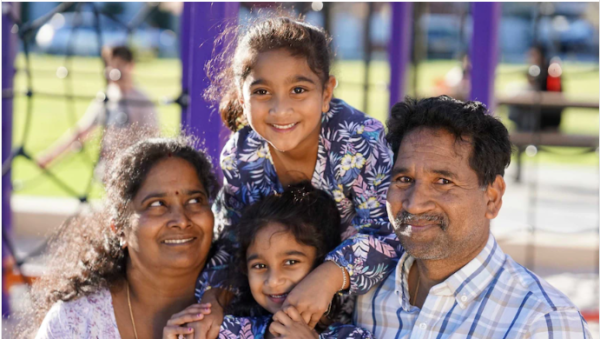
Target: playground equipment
(200, 24)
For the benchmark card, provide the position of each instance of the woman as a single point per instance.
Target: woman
(122, 273)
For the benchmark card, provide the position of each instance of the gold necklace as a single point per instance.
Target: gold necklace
(416, 291)
(131, 312)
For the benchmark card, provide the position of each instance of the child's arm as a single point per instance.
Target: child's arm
(369, 255)
(226, 209)
(212, 286)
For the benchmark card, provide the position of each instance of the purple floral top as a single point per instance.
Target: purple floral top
(354, 164)
(92, 316)
(257, 327)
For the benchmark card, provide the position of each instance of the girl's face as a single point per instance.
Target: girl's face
(171, 223)
(276, 262)
(283, 100)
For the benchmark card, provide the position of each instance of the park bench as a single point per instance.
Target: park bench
(536, 100)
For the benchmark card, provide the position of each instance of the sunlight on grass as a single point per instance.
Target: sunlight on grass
(52, 115)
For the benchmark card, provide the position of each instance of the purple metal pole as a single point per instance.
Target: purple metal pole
(484, 51)
(184, 54)
(9, 48)
(206, 22)
(399, 49)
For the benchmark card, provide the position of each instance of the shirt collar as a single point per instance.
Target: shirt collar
(401, 290)
(465, 284)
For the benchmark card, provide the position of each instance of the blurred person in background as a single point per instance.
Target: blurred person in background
(122, 271)
(543, 75)
(457, 82)
(124, 106)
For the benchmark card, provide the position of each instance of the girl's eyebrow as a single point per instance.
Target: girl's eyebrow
(258, 82)
(302, 254)
(301, 78)
(252, 257)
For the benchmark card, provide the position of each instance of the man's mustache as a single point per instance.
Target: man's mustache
(404, 218)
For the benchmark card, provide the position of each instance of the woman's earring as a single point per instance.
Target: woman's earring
(122, 241)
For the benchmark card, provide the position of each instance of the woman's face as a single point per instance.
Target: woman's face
(276, 262)
(283, 100)
(171, 221)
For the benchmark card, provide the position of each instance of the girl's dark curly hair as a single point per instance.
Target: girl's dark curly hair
(84, 255)
(310, 214)
(237, 48)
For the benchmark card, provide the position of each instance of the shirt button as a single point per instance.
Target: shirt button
(423, 326)
(463, 298)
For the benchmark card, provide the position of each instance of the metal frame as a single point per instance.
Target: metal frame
(200, 27)
(484, 51)
(9, 49)
(399, 49)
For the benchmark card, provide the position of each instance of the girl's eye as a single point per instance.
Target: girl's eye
(443, 181)
(261, 92)
(291, 262)
(298, 90)
(258, 266)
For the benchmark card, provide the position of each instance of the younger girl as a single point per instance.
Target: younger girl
(282, 239)
(276, 94)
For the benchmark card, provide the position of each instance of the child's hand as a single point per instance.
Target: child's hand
(192, 314)
(312, 296)
(209, 326)
(289, 324)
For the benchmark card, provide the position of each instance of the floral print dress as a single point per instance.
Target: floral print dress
(257, 327)
(354, 163)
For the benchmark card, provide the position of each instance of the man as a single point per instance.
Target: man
(127, 115)
(452, 280)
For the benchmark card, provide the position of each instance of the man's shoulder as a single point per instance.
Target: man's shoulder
(535, 289)
(138, 93)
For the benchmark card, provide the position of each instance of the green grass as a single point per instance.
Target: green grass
(160, 78)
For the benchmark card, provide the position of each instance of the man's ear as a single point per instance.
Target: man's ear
(493, 194)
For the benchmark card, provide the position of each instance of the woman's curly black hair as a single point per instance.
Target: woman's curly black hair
(310, 214)
(488, 136)
(84, 255)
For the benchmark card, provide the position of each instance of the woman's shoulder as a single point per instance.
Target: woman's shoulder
(243, 327)
(87, 316)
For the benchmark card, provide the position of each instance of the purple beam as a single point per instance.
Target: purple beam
(484, 51)
(184, 53)
(206, 22)
(399, 49)
(9, 48)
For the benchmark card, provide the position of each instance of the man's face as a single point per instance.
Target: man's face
(436, 205)
(118, 69)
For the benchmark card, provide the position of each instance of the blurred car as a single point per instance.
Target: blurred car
(77, 31)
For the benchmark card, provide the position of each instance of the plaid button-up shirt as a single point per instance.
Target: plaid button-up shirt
(490, 297)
